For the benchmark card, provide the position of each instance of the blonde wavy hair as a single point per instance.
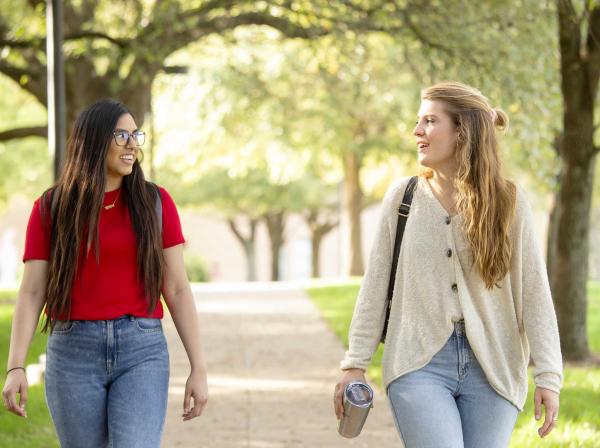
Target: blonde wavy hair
(484, 197)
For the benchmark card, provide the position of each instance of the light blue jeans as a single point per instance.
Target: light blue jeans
(107, 382)
(449, 402)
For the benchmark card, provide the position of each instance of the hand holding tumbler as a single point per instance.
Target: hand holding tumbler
(358, 400)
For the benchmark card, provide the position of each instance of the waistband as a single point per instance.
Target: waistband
(129, 317)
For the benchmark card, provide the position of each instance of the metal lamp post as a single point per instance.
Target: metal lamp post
(56, 84)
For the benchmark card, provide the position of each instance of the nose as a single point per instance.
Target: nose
(417, 131)
(132, 143)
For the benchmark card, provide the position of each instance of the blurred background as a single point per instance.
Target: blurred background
(278, 125)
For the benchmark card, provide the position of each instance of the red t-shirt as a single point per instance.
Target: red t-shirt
(110, 288)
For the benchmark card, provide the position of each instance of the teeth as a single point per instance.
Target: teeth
(127, 157)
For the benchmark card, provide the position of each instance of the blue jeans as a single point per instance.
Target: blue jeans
(449, 402)
(107, 382)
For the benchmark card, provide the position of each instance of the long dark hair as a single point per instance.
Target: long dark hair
(73, 207)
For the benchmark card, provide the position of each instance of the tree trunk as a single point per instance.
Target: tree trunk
(248, 244)
(132, 61)
(552, 238)
(316, 250)
(276, 226)
(570, 266)
(250, 251)
(580, 70)
(318, 230)
(352, 208)
(86, 88)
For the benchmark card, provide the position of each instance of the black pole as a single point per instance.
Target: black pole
(56, 84)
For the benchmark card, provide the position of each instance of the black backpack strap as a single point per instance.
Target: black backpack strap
(48, 207)
(158, 205)
(49, 197)
(48, 204)
(403, 211)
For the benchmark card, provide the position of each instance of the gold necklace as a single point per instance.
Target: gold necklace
(448, 204)
(109, 206)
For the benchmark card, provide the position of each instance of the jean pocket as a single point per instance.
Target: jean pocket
(148, 325)
(62, 327)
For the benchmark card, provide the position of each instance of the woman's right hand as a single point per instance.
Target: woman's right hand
(338, 395)
(16, 383)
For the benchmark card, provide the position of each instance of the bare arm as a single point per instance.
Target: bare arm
(30, 302)
(180, 301)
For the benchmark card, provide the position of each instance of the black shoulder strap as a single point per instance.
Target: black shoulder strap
(48, 204)
(158, 205)
(403, 211)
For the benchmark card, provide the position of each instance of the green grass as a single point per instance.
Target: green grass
(8, 294)
(593, 318)
(36, 431)
(336, 304)
(579, 424)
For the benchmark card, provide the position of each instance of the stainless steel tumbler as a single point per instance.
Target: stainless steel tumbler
(358, 400)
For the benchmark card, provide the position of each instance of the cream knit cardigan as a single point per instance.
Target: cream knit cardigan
(503, 325)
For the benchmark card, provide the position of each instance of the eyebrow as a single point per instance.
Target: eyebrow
(428, 115)
(126, 130)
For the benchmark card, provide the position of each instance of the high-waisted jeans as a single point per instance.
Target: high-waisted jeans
(449, 402)
(107, 382)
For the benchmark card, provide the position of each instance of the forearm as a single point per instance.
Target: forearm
(539, 317)
(369, 313)
(542, 335)
(366, 327)
(183, 311)
(25, 320)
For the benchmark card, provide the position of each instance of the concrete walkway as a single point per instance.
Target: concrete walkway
(272, 365)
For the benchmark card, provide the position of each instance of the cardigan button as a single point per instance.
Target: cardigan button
(449, 253)
(447, 219)
(454, 287)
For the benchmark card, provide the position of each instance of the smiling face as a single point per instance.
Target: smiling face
(120, 159)
(436, 136)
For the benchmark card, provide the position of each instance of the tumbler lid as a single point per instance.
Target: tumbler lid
(359, 394)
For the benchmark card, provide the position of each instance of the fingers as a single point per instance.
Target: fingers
(10, 401)
(338, 393)
(549, 424)
(550, 401)
(196, 411)
(537, 401)
(186, 401)
(23, 397)
(196, 388)
(338, 402)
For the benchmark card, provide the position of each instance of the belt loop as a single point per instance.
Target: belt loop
(131, 318)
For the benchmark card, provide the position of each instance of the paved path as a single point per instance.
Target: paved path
(272, 364)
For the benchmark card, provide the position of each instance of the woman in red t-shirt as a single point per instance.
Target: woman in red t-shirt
(101, 245)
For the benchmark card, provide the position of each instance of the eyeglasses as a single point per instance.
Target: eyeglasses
(122, 137)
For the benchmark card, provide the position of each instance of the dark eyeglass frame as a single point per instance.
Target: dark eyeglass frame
(135, 135)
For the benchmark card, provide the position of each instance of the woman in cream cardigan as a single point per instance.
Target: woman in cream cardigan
(471, 300)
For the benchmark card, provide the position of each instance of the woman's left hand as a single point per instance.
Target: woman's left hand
(196, 387)
(549, 400)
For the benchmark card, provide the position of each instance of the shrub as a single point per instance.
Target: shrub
(196, 269)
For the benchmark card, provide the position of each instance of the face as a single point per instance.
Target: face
(436, 136)
(120, 159)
